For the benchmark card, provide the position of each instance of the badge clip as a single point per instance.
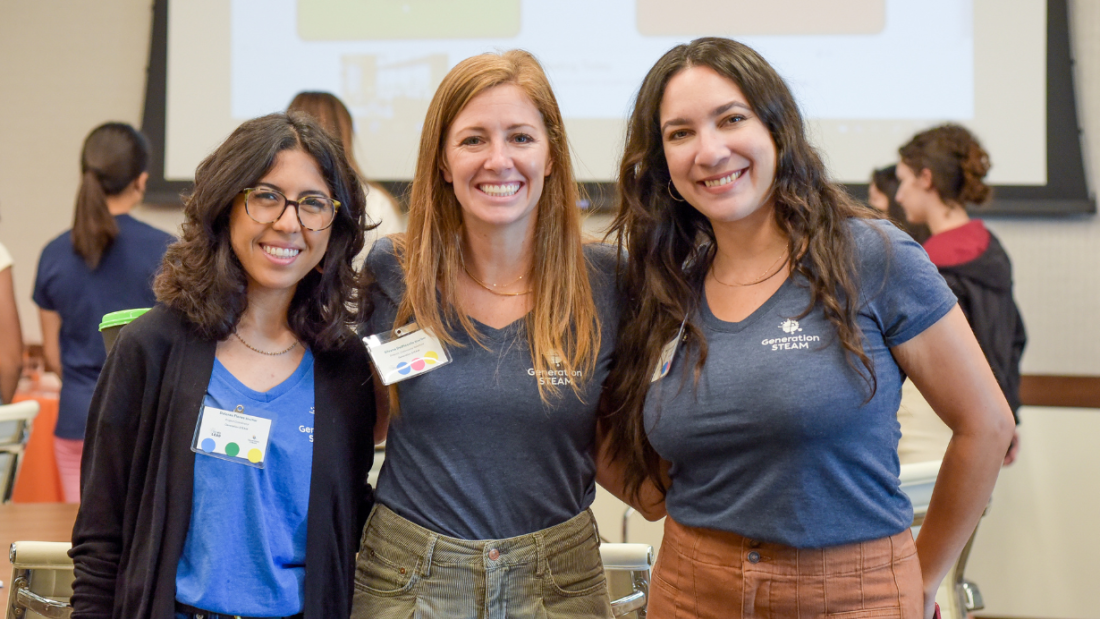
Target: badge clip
(405, 352)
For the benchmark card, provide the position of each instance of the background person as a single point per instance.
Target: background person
(800, 315)
(105, 263)
(330, 111)
(940, 172)
(11, 333)
(482, 503)
(253, 321)
(880, 194)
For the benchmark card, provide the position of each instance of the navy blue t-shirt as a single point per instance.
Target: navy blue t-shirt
(475, 453)
(777, 442)
(82, 296)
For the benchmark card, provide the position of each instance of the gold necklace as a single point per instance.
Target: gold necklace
(262, 352)
(492, 290)
(781, 262)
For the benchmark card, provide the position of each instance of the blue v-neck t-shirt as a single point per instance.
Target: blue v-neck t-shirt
(778, 441)
(245, 550)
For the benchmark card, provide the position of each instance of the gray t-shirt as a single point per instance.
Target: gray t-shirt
(474, 452)
(778, 442)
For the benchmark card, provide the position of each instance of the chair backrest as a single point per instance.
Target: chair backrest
(628, 566)
(15, 423)
(41, 580)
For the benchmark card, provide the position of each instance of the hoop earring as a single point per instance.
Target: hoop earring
(672, 195)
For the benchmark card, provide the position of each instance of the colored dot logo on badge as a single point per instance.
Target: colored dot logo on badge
(232, 449)
(431, 357)
(208, 445)
(403, 368)
(418, 364)
(254, 456)
(664, 368)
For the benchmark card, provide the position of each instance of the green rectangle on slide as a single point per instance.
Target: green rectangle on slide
(357, 20)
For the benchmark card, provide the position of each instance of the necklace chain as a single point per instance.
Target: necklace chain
(777, 265)
(494, 286)
(264, 352)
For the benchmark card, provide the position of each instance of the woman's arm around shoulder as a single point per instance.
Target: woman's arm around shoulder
(611, 474)
(948, 367)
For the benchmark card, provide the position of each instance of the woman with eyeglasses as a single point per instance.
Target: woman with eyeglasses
(229, 437)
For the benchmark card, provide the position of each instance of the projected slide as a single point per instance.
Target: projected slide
(867, 73)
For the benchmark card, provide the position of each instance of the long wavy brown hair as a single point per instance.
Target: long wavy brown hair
(957, 161)
(671, 246)
(563, 327)
(201, 275)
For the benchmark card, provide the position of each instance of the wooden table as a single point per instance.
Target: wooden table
(38, 522)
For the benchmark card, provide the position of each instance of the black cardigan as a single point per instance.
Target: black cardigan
(137, 473)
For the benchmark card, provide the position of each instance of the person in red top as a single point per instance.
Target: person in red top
(941, 172)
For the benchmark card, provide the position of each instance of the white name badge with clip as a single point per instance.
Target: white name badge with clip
(233, 436)
(668, 353)
(405, 352)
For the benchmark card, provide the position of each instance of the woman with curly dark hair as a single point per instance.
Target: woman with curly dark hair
(758, 371)
(940, 173)
(202, 484)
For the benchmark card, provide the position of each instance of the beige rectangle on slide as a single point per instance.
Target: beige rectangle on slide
(358, 20)
(657, 18)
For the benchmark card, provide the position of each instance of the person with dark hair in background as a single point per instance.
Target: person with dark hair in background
(940, 173)
(11, 333)
(105, 263)
(229, 438)
(769, 322)
(880, 194)
(334, 116)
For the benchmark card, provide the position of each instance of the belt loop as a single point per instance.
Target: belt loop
(426, 569)
(540, 555)
(595, 526)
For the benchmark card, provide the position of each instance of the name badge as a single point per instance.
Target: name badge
(668, 353)
(405, 352)
(232, 435)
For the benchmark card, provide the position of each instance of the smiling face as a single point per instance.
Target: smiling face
(276, 256)
(720, 155)
(497, 156)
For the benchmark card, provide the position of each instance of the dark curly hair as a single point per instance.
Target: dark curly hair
(955, 158)
(671, 245)
(201, 275)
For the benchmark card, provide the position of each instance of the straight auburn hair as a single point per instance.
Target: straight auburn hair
(114, 156)
(563, 329)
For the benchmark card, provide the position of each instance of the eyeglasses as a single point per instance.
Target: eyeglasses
(265, 206)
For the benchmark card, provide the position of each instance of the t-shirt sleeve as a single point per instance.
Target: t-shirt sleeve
(42, 279)
(5, 257)
(387, 287)
(902, 290)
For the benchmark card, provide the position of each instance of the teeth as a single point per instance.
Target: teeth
(725, 180)
(506, 189)
(281, 252)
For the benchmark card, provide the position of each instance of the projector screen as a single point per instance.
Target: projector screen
(867, 73)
